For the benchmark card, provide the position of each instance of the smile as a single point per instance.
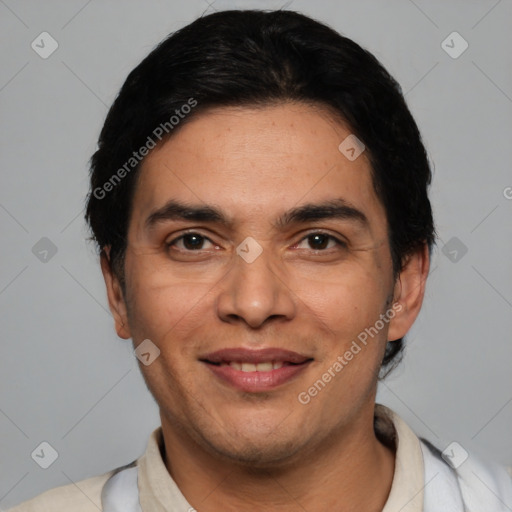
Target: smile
(251, 367)
(255, 371)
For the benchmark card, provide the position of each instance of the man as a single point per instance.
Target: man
(259, 199)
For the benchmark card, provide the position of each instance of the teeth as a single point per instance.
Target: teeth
(264, 367)
(267, 366)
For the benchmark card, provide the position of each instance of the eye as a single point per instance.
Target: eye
(320, 242)
(189, 242)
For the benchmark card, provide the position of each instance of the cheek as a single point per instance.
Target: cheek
(165, 309)
(171, 316)
(346, 303)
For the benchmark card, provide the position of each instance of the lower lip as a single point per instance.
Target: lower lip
(253, 382)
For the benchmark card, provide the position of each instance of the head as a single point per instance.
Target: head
(229, 211)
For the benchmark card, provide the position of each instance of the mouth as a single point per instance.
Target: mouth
(255, 370)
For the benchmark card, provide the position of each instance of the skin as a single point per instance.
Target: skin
(233, 451)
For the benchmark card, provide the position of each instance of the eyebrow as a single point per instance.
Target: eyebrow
(332, 209)
(174, 210)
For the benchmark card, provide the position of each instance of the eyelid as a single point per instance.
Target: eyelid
(185, 233)
(337, 239)
(308, 234)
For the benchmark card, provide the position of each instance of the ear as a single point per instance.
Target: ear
(116, 301)
(409, 292)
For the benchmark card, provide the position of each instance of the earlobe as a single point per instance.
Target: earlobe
(409, 292)
(116, 300)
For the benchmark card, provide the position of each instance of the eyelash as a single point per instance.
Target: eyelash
(309, 235)
(339, 243)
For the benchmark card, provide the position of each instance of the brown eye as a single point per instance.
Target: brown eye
(193, 241)
(320, 242)
(189, 242)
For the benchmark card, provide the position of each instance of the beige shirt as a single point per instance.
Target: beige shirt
(159, 493)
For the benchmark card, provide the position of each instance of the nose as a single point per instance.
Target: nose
(254, 293)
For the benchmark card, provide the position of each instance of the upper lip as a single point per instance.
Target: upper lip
(244, 355)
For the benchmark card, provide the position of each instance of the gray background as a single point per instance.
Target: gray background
(66, 378)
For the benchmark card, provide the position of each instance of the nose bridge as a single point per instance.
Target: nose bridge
(256, 277)
(254, 291)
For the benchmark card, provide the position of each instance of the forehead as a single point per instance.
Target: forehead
(257, 162)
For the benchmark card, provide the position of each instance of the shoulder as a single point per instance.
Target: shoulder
(482, 482)
(85, 495)
(82, 496)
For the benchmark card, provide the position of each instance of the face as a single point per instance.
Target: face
(257, 255)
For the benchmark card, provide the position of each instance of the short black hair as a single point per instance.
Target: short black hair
(259, 58)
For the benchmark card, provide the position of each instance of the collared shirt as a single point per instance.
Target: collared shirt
(159, 493)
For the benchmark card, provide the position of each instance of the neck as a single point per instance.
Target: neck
(334, 475)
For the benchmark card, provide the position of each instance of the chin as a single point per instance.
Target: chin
(257, 454)
(255, 444)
